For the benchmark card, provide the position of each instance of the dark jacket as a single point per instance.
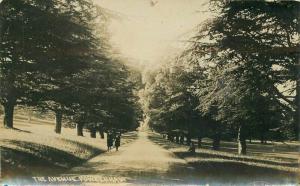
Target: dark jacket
(118, 141)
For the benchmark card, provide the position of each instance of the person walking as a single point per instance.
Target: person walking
(118, 142)
(109, 141)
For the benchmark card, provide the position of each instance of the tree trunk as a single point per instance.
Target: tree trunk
(93, 132)
(216, 136)
(262, 139)
(101, 132)
(216, 142)
(8, 115)
(264, 136)
(79, 129)
(188, 139)
(177, 138)
(58, 121)
(297, 99)
(199, 141)
(242, 140)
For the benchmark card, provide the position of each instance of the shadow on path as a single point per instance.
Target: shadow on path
(139, 162)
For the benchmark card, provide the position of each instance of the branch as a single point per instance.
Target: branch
(280, 95)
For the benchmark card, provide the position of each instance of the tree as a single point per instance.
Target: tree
(170, 103)
(237, 49)
(82, 34)
(105, 97)
(270, 43)
(40, 43)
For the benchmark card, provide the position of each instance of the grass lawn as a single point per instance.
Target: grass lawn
(275, 163)
(34, 149)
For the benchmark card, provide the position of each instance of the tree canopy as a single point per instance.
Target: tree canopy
(55, 56)
(241, 70)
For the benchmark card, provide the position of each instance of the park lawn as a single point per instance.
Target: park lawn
(34, 149)
(275, 163)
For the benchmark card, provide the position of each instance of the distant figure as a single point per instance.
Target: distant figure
(118, 141)
(192, 148)
(109, 141)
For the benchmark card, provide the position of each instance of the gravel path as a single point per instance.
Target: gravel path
(140, 162)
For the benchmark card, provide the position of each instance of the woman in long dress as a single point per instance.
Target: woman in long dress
(118, 142)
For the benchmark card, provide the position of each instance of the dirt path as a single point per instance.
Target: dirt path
(137, 162)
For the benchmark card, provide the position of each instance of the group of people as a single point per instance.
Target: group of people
(178, 137)
(113, 138)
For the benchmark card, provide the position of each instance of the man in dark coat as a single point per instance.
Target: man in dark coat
(109, 141)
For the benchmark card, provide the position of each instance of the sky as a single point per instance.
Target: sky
(147, 32)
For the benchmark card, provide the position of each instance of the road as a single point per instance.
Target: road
(141, 161)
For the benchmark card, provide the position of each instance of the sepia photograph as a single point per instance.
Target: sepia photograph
(149, 92)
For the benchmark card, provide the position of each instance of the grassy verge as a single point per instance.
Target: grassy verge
(35, 150)
(225, 165)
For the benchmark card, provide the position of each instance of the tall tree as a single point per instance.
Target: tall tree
(41, 41)
(245, 62)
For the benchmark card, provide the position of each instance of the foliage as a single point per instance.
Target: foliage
(242, 74)
(55, 56)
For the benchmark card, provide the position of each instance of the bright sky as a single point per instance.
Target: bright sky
(149, 31)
